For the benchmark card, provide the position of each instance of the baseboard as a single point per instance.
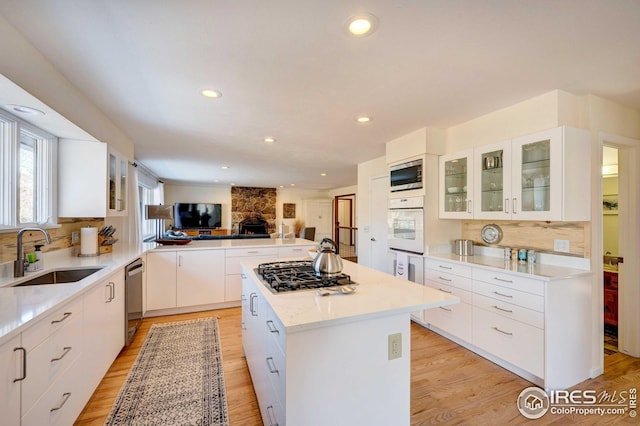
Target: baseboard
(189, 309)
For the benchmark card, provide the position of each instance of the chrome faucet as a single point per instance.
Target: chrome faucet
(18, 265)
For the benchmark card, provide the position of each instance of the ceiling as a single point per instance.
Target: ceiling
(288, 69)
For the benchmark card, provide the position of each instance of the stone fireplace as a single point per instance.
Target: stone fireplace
(253, 210)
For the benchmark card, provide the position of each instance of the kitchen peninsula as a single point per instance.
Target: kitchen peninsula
(338, 359)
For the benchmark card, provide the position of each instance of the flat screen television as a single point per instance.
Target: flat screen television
(197, 215)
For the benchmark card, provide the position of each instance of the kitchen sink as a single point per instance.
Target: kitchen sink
(59, 277)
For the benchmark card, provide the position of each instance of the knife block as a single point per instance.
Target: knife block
(104, 249)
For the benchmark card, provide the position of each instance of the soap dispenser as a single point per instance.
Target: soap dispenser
(39, 257)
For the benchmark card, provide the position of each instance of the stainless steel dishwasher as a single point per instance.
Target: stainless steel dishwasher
(133, 299)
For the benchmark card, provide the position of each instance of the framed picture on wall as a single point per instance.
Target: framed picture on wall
(610, 204)
(288, 210)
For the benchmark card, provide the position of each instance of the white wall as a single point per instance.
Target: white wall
(296, 196)
(29, 69)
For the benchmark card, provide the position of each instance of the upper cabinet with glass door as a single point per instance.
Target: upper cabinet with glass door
(492, 181)
(544, 176)
(456, 185)
(117, 184)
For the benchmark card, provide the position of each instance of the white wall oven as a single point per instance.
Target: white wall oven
(406, 176)
(406, 224)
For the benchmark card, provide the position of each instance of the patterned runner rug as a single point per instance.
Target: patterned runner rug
(177, 378)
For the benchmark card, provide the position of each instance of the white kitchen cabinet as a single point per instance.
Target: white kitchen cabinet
(542, 176)
(233, 267)
(177, 279)
(12, 369)
(200, 277)
(456, 185)
(92, 180)
(53, 346)
(161, 280)
(519, 321)
(104, 321)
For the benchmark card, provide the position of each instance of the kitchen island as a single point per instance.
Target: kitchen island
(342, 359)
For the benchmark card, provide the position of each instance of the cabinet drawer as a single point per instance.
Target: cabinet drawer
(454, 319)
(446, 278)
(465, 296)
(294, 251)
(530, 285)
(519, 344)
(509, 310)
(36, 334)
(276, 330)
(450, 267)
(276, 370)
(252, 252)
(64, 397)
(509, 295)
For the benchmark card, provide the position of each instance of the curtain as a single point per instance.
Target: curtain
(135, 215)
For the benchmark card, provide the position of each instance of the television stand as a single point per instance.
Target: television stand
(194, 232)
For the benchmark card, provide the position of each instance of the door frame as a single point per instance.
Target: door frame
(629, 270)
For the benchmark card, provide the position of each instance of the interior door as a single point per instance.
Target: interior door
(378, 215)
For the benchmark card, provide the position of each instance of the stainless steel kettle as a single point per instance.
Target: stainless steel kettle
(327, 261)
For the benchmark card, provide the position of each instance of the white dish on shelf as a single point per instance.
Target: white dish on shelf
(453, 190)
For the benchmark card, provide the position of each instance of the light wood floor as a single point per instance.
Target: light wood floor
(449, 384)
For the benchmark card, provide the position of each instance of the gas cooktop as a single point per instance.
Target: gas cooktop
(296, 275)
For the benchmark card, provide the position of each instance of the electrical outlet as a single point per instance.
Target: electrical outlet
(395, 345)
(561, 246)
(74, 237)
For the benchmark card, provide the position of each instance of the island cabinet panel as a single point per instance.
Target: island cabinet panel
(233, 268)
(200, 277)
(11, 369)
(298, 375)
(535, 326)
(161, 280)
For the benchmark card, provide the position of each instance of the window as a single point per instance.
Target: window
(27, 169)
(151, 196)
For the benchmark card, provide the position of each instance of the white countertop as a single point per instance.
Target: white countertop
(535, 270)
(377, 295)
(21, 305)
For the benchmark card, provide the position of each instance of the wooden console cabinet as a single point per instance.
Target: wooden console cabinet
(194, 232)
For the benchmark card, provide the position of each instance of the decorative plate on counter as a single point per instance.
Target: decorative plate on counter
(491, 234)
(171, 241)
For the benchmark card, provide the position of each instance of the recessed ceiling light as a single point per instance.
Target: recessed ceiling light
(363, 119)
(269, 140)
(22, 109)
(293, 184)
(211, 93)
(224, 167)
(362, 25)
(323, 174)
(281, 186)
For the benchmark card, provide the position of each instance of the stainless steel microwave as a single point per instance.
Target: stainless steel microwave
(406, 176)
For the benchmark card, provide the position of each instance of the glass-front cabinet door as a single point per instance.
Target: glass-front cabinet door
(456, 188)
(113, 179)
(492, 182)
(117, 184)
(537, 176)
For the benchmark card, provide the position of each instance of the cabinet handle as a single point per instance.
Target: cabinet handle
(243, 326)
(445, 309)
(469, 206)
(67, 349)
(253, 251)
(24, 364)
(243, 297)
(444, 267)
(446, 291)
(243, 276)
(65, 397)
(296, 249)
(506, 205)
(269, 411)
(502, 331)
(444, 279)
(273, 369)
(503, 280)
(112, 291)
(503, 295)
(179, 260)
(514, 210)
(251, 297)
(502, 309)
(64, 317)
(272, 327)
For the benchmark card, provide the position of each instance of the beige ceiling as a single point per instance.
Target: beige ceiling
(288, 69)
